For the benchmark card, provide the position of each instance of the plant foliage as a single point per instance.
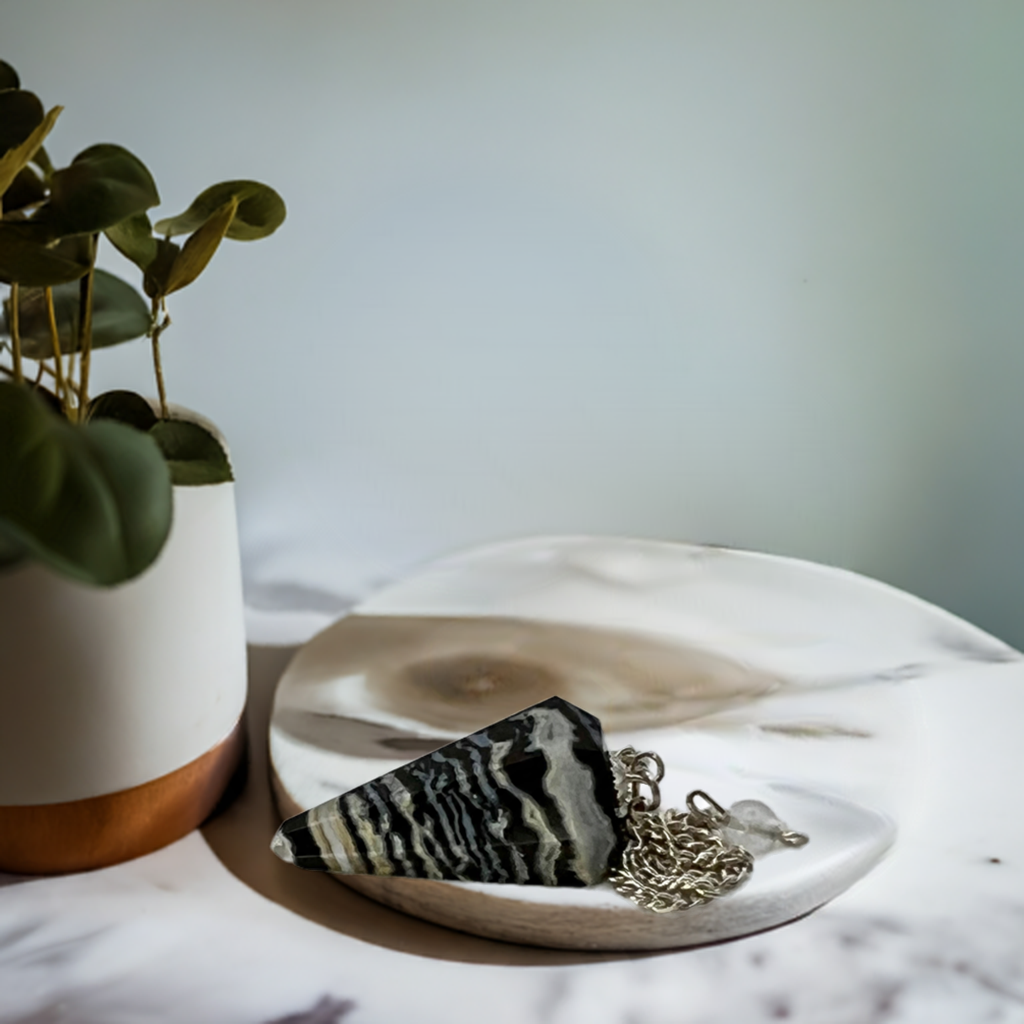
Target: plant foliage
(90, 500)
(86, 483)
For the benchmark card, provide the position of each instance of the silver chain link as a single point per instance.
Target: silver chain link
(673, 859)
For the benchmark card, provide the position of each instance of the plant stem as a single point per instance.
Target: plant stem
(16, 335)
(58, 358)
(85, 330)
(72, 388)
(69, 377)
(155, 332)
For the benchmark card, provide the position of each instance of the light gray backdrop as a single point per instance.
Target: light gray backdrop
(743, 272)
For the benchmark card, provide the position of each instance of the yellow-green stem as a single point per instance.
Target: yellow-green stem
(85, 333)
(68, 383)
(69, 377)
(16, 335)
(58, 358)
(158, 369)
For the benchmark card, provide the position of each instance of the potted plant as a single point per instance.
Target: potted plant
(122, 649)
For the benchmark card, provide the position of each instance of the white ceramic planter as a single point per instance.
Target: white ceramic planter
(120, 707)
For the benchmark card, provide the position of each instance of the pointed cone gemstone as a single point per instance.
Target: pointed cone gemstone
(528, 800)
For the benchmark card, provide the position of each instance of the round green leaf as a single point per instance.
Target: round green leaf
(11, 551)
(261, 211)
(21, 113)
(8, 76)
(42, 161)
(133, 239)
(27, 189)
(27, 260)
(157, 276)
(103, 185)
(194, 455)
(93, 502)
(119, 313)
(49, 398)
(199, 248)
(125, 407)
(15, 159)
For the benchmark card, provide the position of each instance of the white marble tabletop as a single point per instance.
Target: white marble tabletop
(215, 929)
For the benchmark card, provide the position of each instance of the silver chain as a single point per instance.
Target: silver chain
(673, 859)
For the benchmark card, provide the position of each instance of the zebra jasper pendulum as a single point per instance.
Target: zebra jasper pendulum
(528, 800)
(536, 799)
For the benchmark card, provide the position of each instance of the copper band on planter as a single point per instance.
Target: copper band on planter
(81, 835)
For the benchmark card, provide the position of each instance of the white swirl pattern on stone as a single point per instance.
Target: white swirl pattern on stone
(531, 799)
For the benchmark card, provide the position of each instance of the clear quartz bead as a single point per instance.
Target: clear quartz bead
(754, 826)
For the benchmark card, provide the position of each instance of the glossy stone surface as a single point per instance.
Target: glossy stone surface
(528, 800)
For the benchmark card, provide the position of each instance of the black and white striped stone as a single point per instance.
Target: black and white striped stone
(528, 800)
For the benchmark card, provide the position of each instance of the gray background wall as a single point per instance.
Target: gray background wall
(740, 272)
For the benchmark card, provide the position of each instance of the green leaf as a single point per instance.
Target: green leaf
(27, 189)
(103, 185)
(199, 248)
(93, 502)
(133, 239)
(27, 260)
(158, 273)
(49, 398)
(34, 323)
(125, 407)
(261, 211)
(21, 113)
(195, 456)
(119, 313)
(42, 161)
(14, 159)
(11, 552)
(8, 76)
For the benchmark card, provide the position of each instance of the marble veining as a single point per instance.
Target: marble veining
(934, 934)
(174, 938)
(326, 1011)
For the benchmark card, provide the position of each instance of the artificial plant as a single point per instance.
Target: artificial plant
(86, 482)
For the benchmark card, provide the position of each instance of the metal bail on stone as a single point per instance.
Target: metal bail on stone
(672, 860)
